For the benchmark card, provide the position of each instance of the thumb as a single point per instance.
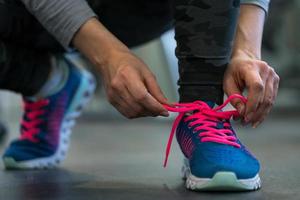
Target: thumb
(154, 89)
(230, 88)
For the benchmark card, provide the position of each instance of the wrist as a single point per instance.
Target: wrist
(95, 42)
(249, 32)
(244, 52)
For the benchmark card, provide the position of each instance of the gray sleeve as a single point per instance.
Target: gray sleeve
(264, 4)
(62, 18)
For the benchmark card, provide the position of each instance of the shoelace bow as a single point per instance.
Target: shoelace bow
(33, 110)
(206, 119)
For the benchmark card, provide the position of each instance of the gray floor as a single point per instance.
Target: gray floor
(123, 160)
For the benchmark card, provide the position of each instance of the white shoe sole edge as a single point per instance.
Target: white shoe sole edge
(221, 181)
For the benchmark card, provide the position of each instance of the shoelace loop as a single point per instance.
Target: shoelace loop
(33, 110)
(206, 118)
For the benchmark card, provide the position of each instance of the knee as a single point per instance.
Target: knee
(5, 20)
(12, 18)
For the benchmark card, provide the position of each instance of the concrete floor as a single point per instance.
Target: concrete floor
(122, 159)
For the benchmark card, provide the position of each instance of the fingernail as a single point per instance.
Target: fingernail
(240, 108)
(165, 113)
(255, 125)
(249, 117)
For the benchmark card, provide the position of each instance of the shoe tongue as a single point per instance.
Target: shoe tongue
(220, 125)
(210, 103)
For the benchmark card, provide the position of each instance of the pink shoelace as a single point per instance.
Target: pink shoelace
(33, 110)
(207, 119)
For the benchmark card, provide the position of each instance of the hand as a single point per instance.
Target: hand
(132, 88)
(245, 71)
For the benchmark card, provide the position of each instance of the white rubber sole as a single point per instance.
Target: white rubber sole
(221, 181)
(82, 97)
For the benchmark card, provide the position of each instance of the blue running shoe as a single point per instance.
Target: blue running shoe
(47, 123)
(215, 159)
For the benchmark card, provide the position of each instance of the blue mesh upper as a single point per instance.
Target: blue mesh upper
(208, 158)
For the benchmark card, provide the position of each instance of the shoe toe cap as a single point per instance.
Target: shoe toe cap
(212, 158)
(21, 151)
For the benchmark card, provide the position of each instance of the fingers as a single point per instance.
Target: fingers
(261, 82)
(131, 97)
(256, 88)
(132, 88)
(128, 109)
(265, 106)
(134, 107)
(154, 89)
(271, 89)
(230, 88)
(141, 95)
(263, 87)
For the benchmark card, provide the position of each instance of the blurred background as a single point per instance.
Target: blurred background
(142, 141)
(281, 49)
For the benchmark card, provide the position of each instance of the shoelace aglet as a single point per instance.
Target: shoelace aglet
(166, 161)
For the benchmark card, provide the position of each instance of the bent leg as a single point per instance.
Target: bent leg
(204, 31)
(24, 50)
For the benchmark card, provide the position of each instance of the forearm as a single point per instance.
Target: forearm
(61, 18)
(97, 43)
(249, 31)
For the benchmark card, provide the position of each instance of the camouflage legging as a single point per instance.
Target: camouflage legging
(204, 34)
(204, 31)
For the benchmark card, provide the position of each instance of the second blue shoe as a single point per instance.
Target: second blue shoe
(47, 123)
